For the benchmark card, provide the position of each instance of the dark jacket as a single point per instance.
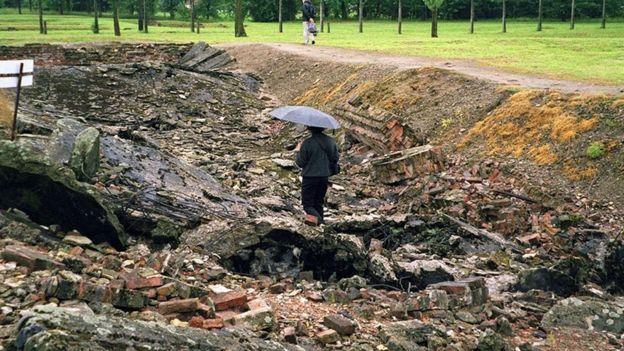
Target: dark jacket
(316, 154)
(308, 11)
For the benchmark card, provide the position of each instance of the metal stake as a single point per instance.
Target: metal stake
(19, 89)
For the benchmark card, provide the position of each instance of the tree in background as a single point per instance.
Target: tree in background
(361, 15)
(239, 18)
(268, 10)
(40, 5)
(572, 15)
(434, 6)
(115, 18)
(540, 16)
(281, 10)
(504, 16)
(169, 6)
(603, 23)
(472, 16)
(19, 6)
(400, 16)
(96, 25)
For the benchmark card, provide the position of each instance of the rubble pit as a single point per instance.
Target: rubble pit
(198, 195)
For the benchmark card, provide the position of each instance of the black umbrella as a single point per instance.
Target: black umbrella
(305, 115)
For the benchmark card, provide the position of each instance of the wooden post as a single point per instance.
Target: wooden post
(17, 97)
(328, 28)
(45, 27)
(96, 25)
(40, 5)
(198, 25)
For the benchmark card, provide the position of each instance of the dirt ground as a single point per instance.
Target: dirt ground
(350, 56)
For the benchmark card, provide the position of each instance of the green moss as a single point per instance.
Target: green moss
(596, 150)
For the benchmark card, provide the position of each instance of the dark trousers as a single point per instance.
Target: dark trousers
(313, 190)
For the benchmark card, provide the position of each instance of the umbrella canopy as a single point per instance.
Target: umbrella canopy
(305, 115)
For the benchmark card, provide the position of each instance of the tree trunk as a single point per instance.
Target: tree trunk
(41, 30)
(61, 7)
(321, 17)
(279, 16)
(472, 16)
(19, 6)
(344, 14)
(116, 18)
(145, 17)
(172, 15)
(140, 14)
(192, 15)
(434, 23)
(400, 17)
(504, 17)
(540, 16)
(603, 23)
(96, 25)
(239, 18)
(572, 16)
(30, 5)
(361, 16)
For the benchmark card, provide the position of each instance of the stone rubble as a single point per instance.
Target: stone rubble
(444, 255)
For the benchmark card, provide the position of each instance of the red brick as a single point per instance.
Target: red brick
(33, 260)
(213, 323)
(290, 335)
(135, 281)
(178, 306)
(340, 324)
(196, 322)
(229, 300)
(76, 251)
(257, 303)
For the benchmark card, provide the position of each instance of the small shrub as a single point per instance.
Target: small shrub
(447, 122)
(596, 150)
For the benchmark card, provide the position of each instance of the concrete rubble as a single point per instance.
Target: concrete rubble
(159, 196)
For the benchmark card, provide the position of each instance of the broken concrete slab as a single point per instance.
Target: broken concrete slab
(23, 169)
(586, 313)
(54, 328)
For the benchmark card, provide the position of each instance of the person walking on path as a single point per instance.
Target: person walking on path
(309, 13)
(317, 156)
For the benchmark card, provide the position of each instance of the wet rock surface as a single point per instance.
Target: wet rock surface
(161, 197)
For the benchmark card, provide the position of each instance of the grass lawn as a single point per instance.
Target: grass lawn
(587, 53)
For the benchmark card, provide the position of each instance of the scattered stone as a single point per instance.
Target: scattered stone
(85, 156)
(329, 336)
(229, 300)
(77, 240)
(257, 319)
(178, 306)
(548, 280)
(290, 335)
(340, 324)
(31, 259)
(585, 313)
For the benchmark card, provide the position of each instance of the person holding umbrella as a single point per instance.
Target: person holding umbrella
(317, 156)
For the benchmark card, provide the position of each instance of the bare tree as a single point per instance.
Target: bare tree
(540, 16)
(40, 5)
(115, 18)
(239, 18)
(472, 16)
(434, 6)
(504, 16)
(572, 15)
(603, 23)
(399, 17)
(361, 15)
(279, 16)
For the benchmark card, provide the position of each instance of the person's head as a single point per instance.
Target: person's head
(316, 130)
